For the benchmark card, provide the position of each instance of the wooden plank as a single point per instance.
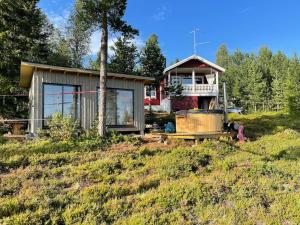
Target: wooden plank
(195, 136)
(199, 122)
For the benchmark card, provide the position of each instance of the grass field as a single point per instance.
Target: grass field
(150, 183)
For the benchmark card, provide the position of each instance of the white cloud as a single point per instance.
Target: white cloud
(161, 13)
(245, 10)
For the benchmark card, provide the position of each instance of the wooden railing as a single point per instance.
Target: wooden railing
(200, 89)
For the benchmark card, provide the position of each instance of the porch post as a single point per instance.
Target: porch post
(217, 88)
(194, 81)
(169, 78)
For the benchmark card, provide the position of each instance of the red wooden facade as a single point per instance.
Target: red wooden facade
(193, 66)
(153, 101)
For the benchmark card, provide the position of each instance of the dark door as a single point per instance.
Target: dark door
(203, 102)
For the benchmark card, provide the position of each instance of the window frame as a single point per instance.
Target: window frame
(189, 77)
(43, 101)
(133, 105)
(151, 96)
(178, 80)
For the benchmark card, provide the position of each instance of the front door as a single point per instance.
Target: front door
(203, 102)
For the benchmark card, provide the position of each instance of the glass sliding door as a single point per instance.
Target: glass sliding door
(71, 103)
(125, 107)
(119, 107)
(52, 101)
(63, 99)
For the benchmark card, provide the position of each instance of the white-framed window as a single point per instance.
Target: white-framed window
(150, 93)
(176, 80)
(187, 80)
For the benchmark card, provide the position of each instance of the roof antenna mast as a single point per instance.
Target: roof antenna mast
(194, 32)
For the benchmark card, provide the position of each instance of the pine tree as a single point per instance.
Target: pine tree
(24, 36)
(256, 86)
(60, 50)
(279, 74)
(78, 38)
(264, 61)
(125, 55)
(104, 15)
(152, 60)
(292, 88)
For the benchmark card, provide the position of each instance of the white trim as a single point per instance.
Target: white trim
(217, 83)
(194, 80)
(176, 80)
(213, 65)
(151, 96)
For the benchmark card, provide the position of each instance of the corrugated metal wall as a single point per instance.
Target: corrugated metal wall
(88, 100)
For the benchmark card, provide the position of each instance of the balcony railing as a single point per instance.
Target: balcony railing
(200, 89)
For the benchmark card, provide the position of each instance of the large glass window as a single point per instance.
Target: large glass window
(119, 107)
(61, 98)
(187, 80)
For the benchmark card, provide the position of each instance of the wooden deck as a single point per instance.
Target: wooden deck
(196, 136)
(14, 137)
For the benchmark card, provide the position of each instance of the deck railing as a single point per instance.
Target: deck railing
(200, 89)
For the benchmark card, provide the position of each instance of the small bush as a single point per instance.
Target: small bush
(183, 161)
(63, 128)
(2, 140)
(116, 138)
(4, 128)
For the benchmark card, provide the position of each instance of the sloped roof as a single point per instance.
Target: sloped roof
(200, 59)
(27, 70)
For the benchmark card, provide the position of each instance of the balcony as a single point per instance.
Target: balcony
(200, 90)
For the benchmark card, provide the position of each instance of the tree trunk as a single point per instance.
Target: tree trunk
(103, 75)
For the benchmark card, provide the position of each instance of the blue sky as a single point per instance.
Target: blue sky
(246, 25)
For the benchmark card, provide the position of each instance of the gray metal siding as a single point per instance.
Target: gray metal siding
(88, 100)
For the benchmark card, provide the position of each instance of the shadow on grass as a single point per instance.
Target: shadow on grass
(292, 153)
(259, 126)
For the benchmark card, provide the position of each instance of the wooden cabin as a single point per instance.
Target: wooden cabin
(74, 92)
(199, 79)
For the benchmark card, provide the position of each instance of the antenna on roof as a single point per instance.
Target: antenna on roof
(194, 32)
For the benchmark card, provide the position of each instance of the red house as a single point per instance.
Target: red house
(200, 81)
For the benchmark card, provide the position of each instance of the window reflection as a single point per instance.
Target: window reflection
(62, 99)
(119, 107)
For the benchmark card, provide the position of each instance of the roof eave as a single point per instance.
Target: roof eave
(27, 70)
(215, 66)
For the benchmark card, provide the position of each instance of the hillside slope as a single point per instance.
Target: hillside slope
(212, 183)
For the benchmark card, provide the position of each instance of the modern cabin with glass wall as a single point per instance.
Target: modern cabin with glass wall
(74, 92)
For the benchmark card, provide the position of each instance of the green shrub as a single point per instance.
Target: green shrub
(115, 138)
(63, 128)
(182, 161)
(4, 128)
(2, 140)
